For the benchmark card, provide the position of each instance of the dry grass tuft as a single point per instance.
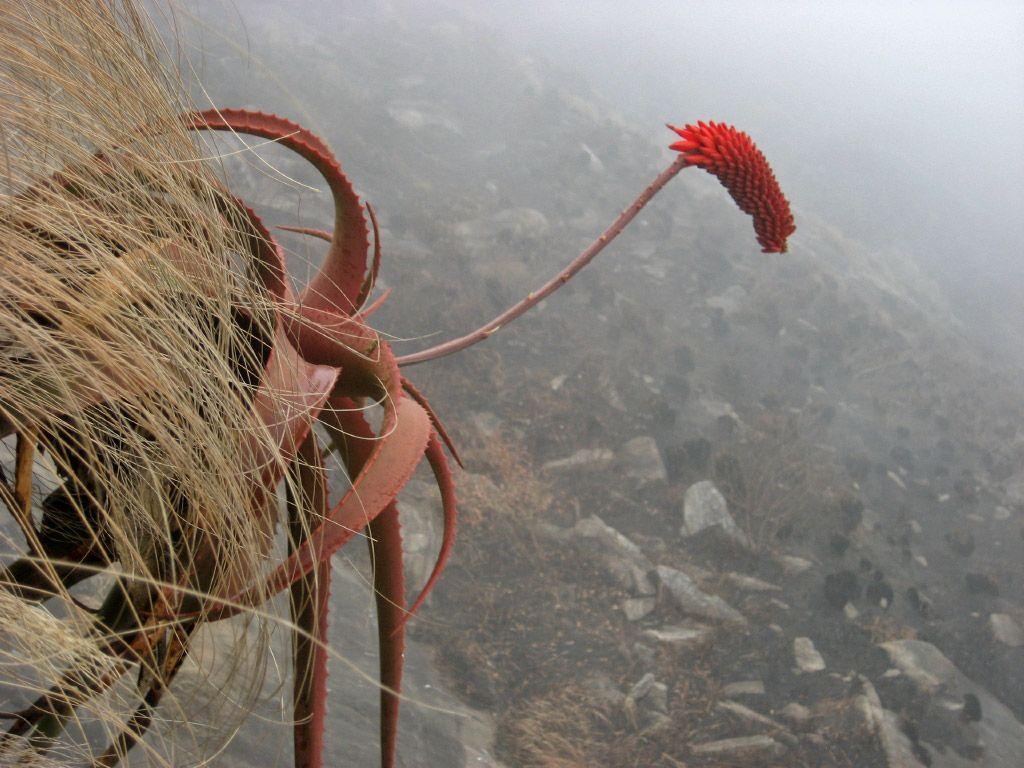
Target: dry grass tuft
(884, 627)
(564, 729)
(774, 476)
(132, 333)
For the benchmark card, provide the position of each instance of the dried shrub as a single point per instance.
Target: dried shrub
(774, 475)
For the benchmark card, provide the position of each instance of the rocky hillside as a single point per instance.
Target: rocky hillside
(720, 508)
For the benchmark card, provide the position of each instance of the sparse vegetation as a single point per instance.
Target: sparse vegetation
(775, 476)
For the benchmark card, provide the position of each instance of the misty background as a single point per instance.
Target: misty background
(901, 123)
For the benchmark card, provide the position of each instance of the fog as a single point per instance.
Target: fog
(901, 122)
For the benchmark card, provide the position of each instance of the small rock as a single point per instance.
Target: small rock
(624, 561)
(750, 583)
(681, 636)
(743, 688)
(1005, 630)
(981, 584)
(870, 521)
(698, 451)
(797, 714)
(645, 655)
(792, 565)
(851, 511)
(961, 541)
(922, 662)
(921, 560)
(971, 712)
(646, 704)
(1001, 513)
(841, 588)
(636, 608)
(879, 591)
(487, 424)
(807, 657)
(747, 746)
(645, 686)
(643, 461)
(609, 539)
(748, 714)
(628, 575)
(705, 507)
(896, 479)
(932, 673)
(690, 599)
(594, 459)
(839, 543)
(899, 750)
(851, 611)
(603, 689)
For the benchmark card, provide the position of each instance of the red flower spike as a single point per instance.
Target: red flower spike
(740, 166)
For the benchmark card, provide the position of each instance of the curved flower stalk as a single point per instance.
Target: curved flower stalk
(722, 150)
(173, 393)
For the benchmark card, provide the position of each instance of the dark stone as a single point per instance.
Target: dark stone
(981, 584)
(785, 531)
(698, 451)
(971, 712)
(729, 476)
(839, 544)
(851, 512)
(660, 415)
(688, 456)
(674, 457)
(913, 733)
(919, 601)
(841, 588)
(880, 592)
(961, 541)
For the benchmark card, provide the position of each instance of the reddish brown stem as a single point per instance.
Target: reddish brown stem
(307, 503)
(535, 297)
